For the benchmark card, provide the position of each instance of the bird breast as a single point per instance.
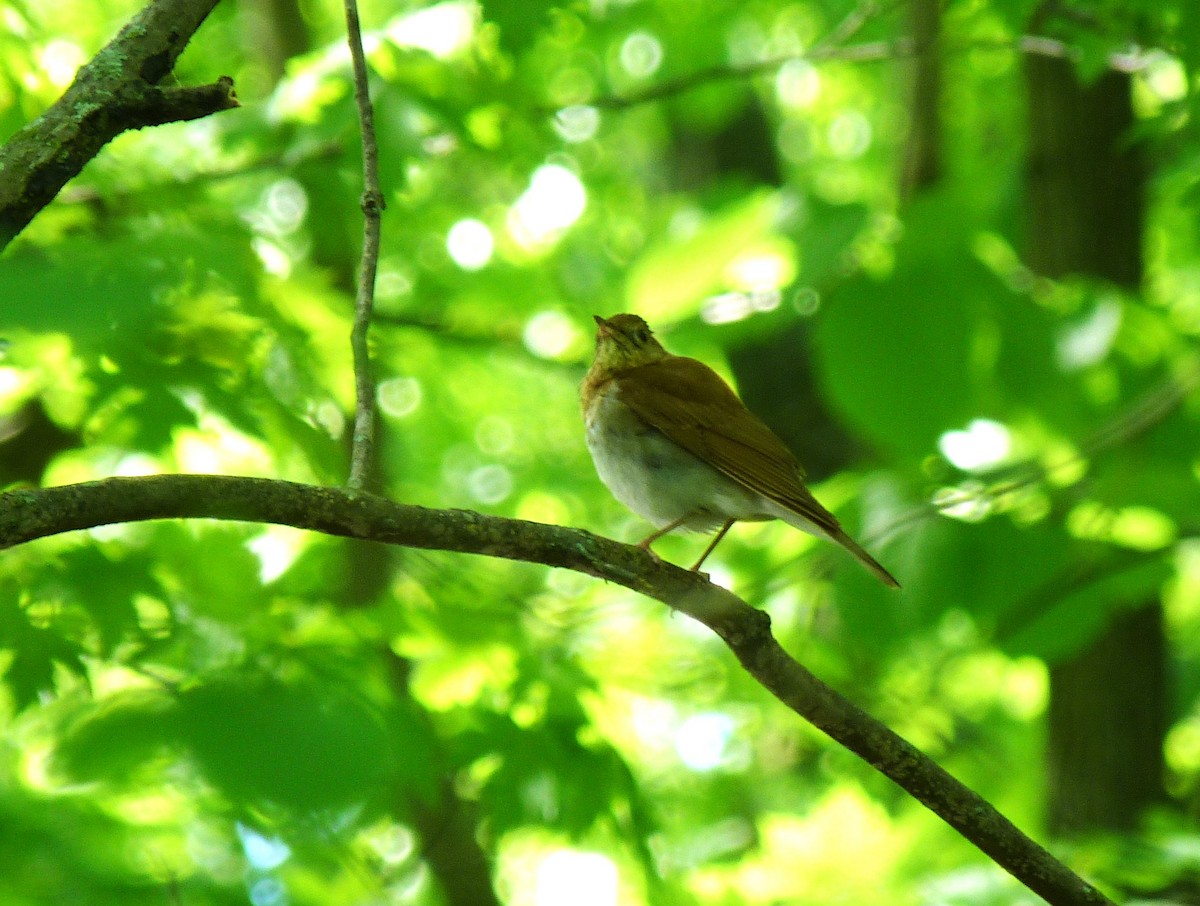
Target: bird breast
(655, 477)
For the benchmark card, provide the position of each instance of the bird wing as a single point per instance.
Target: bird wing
(689, 403)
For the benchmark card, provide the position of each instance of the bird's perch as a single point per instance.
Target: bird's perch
(26, 515)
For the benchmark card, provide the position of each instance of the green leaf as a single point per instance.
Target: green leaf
(520, 22)
(825, 236)
(117, 737)
(294, 745)
(107, 582)
(37, 654)
(896, 356)
(545, 775)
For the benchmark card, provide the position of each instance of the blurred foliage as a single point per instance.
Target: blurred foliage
(201, 713)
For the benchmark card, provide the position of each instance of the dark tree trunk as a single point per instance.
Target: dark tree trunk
(922, 150)
(1086, 180)
(279, 32)
(777, 379)
(1086, 185)
(447, 825)
(1106, 727)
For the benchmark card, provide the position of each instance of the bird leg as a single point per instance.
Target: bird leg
(645, 543)
(717, 540)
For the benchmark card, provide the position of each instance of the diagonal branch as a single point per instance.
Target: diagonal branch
(115, 91)
(1132, 61)
(26, 515)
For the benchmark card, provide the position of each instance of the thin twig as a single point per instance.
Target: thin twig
(853, 23)
(830, 46)
(270, 163)
(1134, 60)
(872, 50)
(1145, 413)
(372, 206)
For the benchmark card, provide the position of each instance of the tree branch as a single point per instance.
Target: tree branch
(865, 52)
(115, 91)
(26, 515)
(372, 206)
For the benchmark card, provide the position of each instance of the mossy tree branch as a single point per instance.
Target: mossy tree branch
(115, 91)
(26, 515)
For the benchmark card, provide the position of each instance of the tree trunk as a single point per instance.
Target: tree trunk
(277, 29)
(922, 149)
(1086, 185)
(1106, 727)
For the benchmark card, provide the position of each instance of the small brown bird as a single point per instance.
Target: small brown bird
(675, 444)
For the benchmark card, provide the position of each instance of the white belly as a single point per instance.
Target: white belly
(657, 479)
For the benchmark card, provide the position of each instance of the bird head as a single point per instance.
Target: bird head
(625, 341)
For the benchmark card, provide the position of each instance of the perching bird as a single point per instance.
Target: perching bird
(674, 443)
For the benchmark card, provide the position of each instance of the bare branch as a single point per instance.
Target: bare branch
(115, 91)
(372, 206)
(854, 21)
(873, 50)
(1134, 60)
(26, 515)
(269, 163)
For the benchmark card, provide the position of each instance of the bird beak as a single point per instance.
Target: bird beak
(602, 324)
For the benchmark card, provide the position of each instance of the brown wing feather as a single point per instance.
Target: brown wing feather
(689, 403)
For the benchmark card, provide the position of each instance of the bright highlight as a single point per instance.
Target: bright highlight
(470, 244)
(983, 444)
(579, 878)
(554, 200)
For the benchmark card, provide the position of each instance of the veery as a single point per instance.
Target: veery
(674, 443)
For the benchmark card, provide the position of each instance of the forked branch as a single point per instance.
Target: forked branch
(115, 91)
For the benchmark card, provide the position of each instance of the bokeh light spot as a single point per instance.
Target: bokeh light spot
(399, 397)
(470, 244)
(641, 54)
(578, 878)
(983, 444)
(554, 200)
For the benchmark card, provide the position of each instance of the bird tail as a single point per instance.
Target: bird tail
(873, 565)
(809, 516)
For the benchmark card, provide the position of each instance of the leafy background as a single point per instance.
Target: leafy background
(204, 713)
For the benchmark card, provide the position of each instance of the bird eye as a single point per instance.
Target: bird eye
(641, 335)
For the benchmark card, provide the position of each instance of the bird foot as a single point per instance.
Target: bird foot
(645, 545)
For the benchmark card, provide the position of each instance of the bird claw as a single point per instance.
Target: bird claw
(645, 545)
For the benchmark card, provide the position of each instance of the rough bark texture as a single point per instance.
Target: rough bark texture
(1086, 184)
(26, 515)
(115, 91)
